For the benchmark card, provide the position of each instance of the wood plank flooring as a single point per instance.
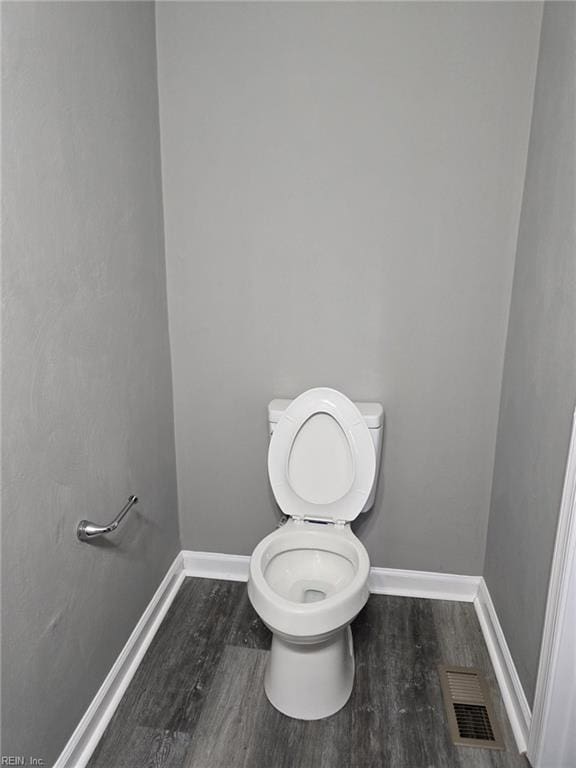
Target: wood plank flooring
(197, 699)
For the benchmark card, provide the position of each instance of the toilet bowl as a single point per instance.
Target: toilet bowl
(309, 578)
(307, 584)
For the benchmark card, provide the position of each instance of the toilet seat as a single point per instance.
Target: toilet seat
(354, 473)
(308, 621)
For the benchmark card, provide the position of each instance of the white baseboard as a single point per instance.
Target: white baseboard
(83, 741)
(383, 581)
(214, 565)
(513, 695)
(433, 586)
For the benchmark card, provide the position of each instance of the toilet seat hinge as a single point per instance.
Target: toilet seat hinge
(325, 521)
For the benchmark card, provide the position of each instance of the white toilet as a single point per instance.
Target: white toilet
(309, 578)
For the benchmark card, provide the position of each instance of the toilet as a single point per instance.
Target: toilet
(309, 578)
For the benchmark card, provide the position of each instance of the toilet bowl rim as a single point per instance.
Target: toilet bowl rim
(259, 581)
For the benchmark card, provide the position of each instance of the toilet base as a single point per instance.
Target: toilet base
(310, 681)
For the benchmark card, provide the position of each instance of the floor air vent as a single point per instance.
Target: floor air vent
(470, 715)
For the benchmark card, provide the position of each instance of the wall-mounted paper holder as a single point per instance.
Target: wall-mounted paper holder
(88, 530)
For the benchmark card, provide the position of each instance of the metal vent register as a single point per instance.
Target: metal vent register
(470, 714)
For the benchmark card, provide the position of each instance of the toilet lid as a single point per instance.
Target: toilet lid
(321, 460)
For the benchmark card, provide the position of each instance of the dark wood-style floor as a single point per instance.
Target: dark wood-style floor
(197, 700)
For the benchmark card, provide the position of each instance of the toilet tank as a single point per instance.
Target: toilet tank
(373, 414)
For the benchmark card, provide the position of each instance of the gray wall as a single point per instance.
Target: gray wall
(86, 372)
(539, 385)
(342, 187)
